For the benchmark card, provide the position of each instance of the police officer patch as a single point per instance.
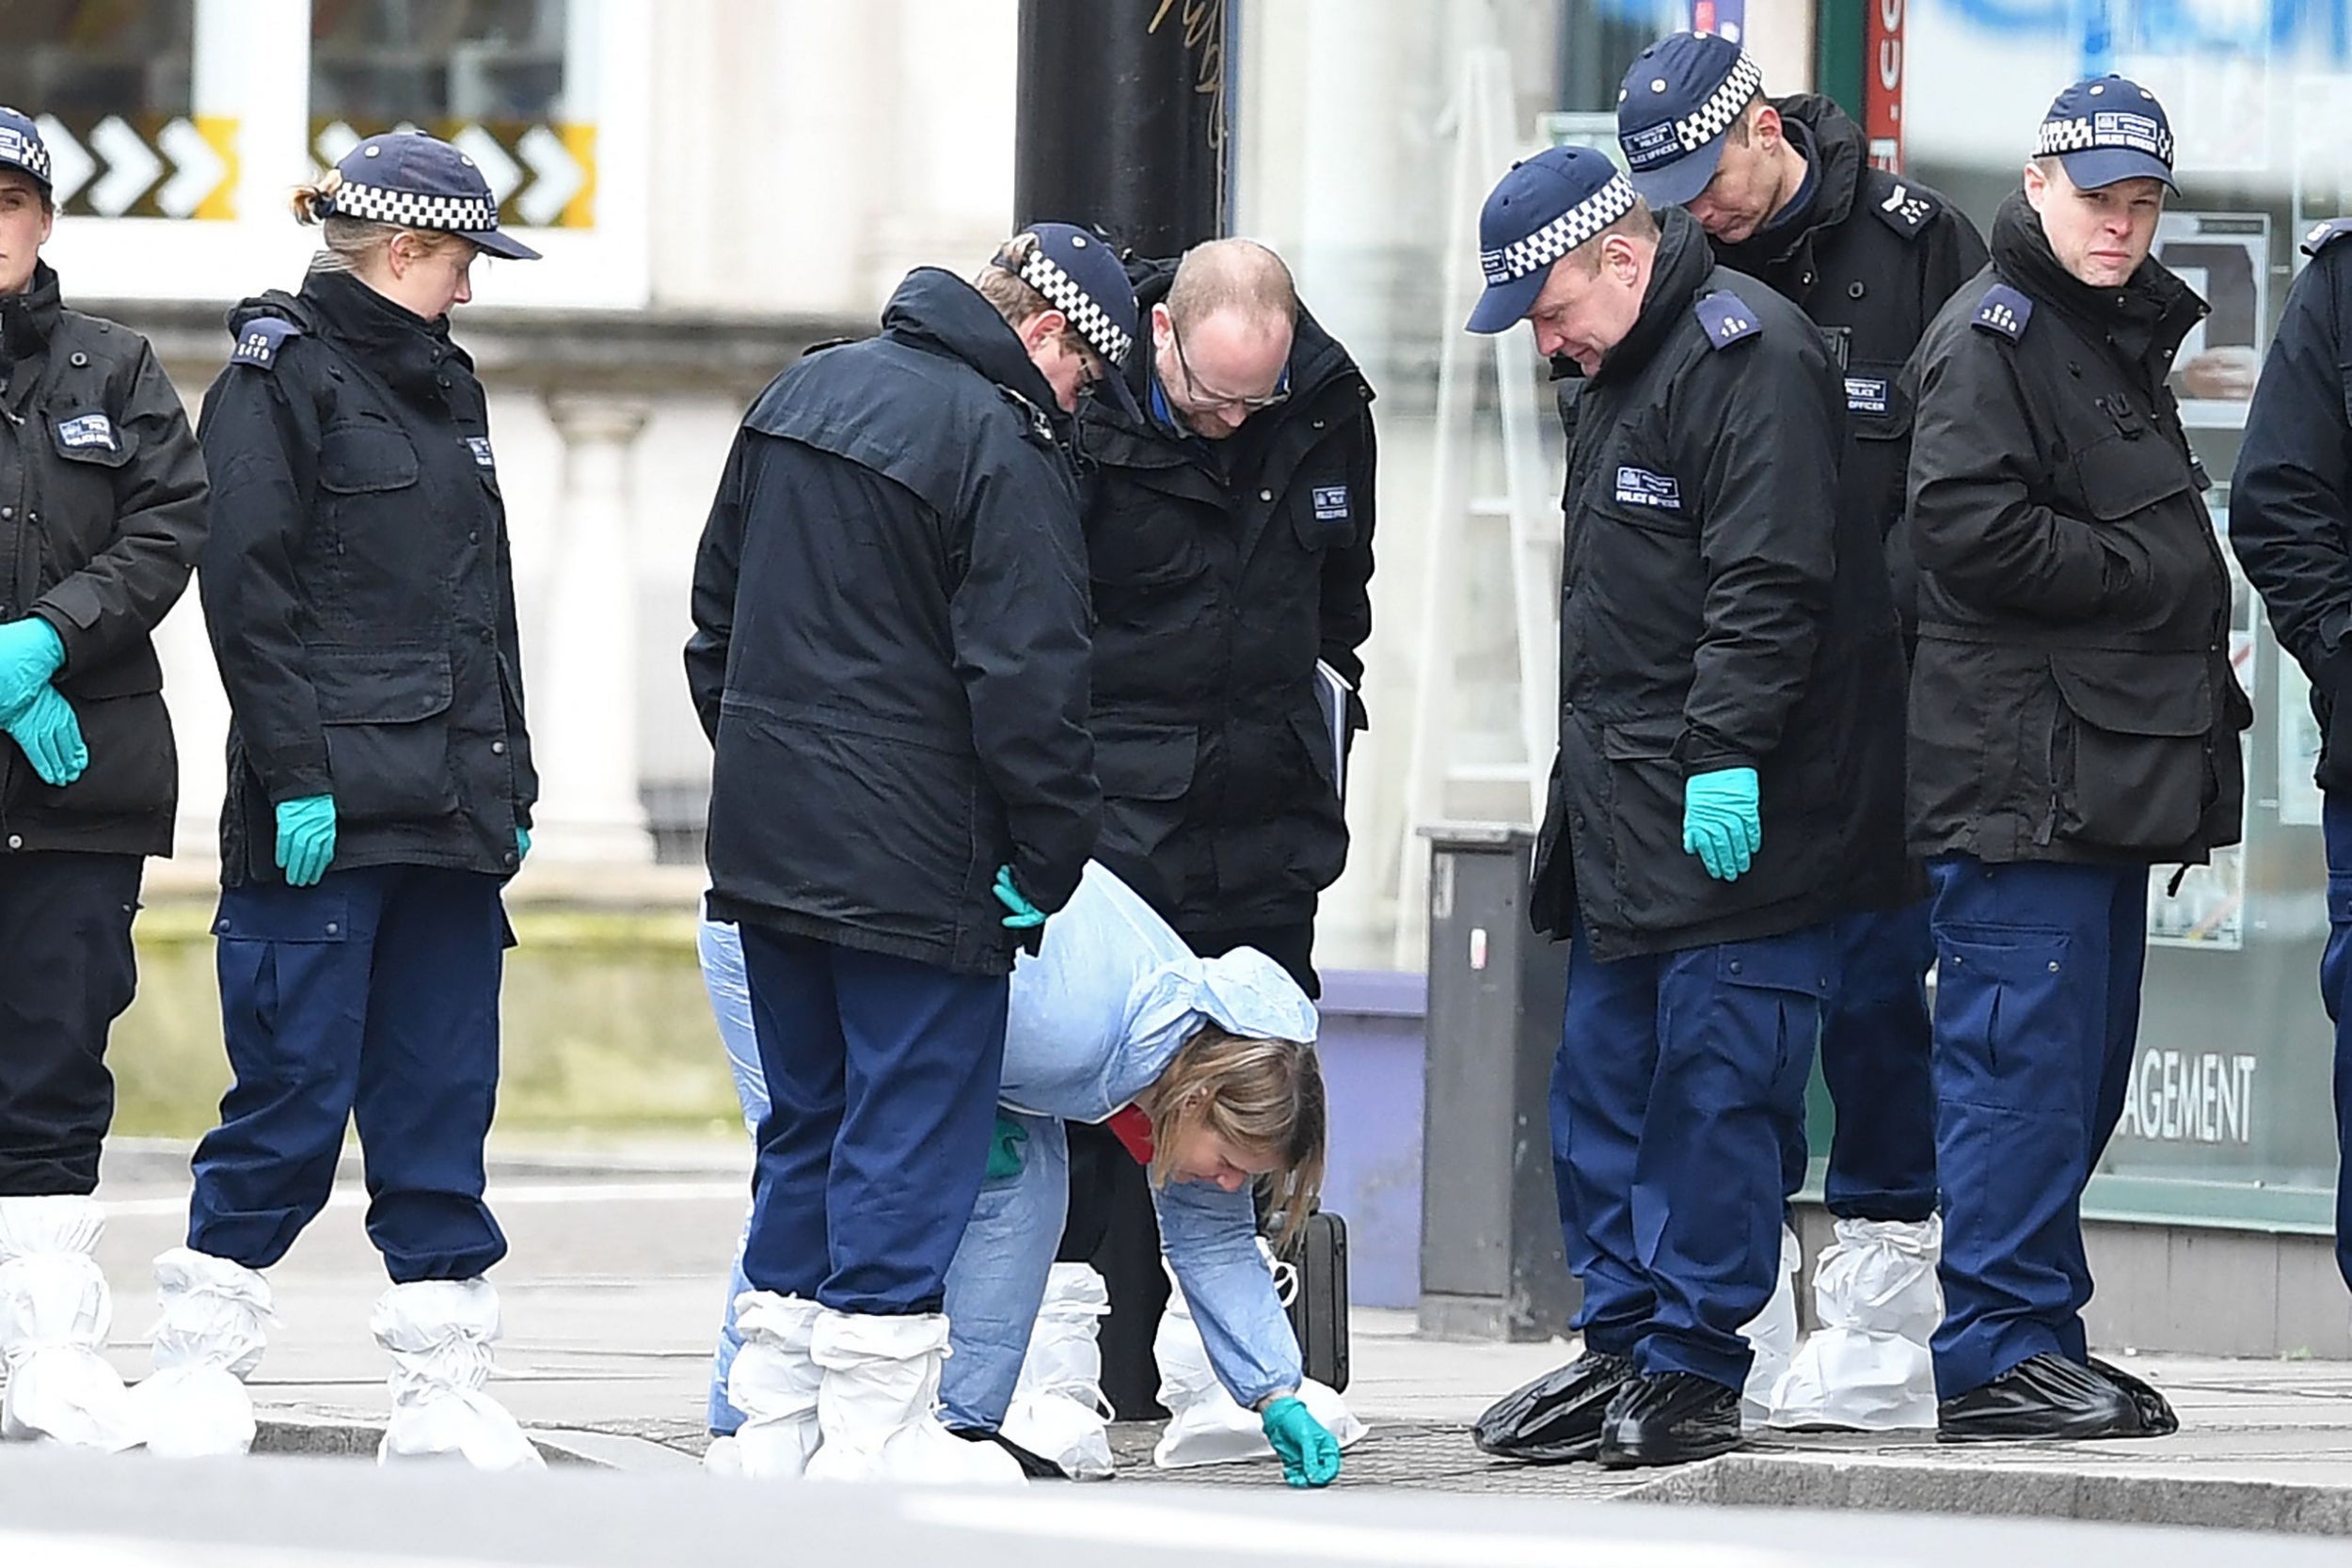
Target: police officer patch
(1865, 394)
(480, 446)
(2005, 312)
(1641, 487)
(260, 340)
(88, 430)
(1330, 503)
(1728, 318)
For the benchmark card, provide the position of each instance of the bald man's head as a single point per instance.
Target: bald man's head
(1222, 338)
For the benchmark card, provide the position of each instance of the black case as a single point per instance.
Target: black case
(1318, 1308)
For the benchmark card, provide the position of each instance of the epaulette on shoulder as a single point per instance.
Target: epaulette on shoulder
(1726, 319)
(2326, 234)
(2004, 313)
(1905, 208)
(260, 340)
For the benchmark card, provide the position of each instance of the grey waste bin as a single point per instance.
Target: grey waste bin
(1491, 1265)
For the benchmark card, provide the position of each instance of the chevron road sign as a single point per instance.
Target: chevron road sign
(542, 174)
(144, 166)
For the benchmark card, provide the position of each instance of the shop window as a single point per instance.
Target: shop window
(112, 85)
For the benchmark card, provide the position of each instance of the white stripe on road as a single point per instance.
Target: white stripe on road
(23, 1549)
(499, 1197)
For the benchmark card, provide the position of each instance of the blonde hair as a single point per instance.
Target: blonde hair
(1264, 1096)
(355, 244)
(1001, 285)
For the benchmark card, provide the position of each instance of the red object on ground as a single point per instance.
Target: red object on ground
(1133, 1128)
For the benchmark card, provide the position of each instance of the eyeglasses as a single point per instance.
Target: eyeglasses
(1202, 397)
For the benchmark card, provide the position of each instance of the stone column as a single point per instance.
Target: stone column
(583, 691)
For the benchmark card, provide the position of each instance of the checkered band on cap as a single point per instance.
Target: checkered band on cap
(472, 215)
(1714, 117)
(1562, 234)
(1043, 274)
(27, 153)
(2084, 135)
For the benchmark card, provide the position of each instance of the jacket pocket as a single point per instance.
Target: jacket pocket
(1146, 777)
(386, 714)
(363, 458)
(1323, 513)
(2129, 755)
(133, 768)
(2121, 476)
(1660, 886)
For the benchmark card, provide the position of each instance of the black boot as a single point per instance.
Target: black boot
(2155, 1411)
(1556, 1418)
(1669, 1419)
(2041, 1397)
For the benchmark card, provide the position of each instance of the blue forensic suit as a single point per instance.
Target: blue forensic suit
(1096, 1016)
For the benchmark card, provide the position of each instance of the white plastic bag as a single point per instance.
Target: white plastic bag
(438, 1332)
(55, 1311)
(774, 1383)
(878, 1406)
(1057, 1410)
(1869, 1366)
(1772, 1336)
(207, 1341)
(1206, 1425)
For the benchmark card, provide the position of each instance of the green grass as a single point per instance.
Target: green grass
(606, 1029)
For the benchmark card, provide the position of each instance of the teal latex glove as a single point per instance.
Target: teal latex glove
(522, 845)
(1025, 915)
(51, 735)
(1309, 1454)
(29, 654)
(306, 838)
(1007, 1149)
(1719, 824)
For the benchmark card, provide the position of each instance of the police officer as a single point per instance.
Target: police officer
(1784, 189)
(1725, 638)
(361, 599)
(890, 656)
(102, 514)
(2291, 524)
(2074, 722)
(1229, 537)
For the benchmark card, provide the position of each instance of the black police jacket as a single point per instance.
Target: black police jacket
(1222, 572)
(2073, 699)
(1871, 258)
(1718, 609)
(359, 590)
(2291, 505)
(101, 515)
(890, 643)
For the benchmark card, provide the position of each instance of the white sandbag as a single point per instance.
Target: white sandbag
(207, 1341)
(1206, 1425)
(1772, 1336)
(54, 1313)
(878, 1406)
(1869, 1366)
(774, 1383)
(1057, 1410)
(438, 1332)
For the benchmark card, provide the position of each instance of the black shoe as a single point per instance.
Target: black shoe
(1035, 1467)
(2155, 1411)
(1670, 1418)
(2041, 1397)
(1557, 1417)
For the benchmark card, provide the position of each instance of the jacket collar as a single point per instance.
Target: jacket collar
(398, 345)
(2142, 322)
(1832, 147)
(940, 313)
(1677, 275)
(28, 320)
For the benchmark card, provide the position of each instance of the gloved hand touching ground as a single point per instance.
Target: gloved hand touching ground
(1719, 824)
(1309, 1454)
(306, 838)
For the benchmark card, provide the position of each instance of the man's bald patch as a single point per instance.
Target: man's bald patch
(1233, 275)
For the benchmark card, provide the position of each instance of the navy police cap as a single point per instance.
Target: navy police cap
(413, 180)
(21, 146)
(2105, 129)
(1543, 209)
(1678, 101)
(1080, 274)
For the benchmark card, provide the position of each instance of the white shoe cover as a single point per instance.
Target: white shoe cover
(438, 1332)
(1772, 1336)
(724, 1457)
(208, 1340)
(1869, 1368)
(878, 1406)
(1206, 1425)
(774, 1383)
(55, 1311)
(1057, 1410)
